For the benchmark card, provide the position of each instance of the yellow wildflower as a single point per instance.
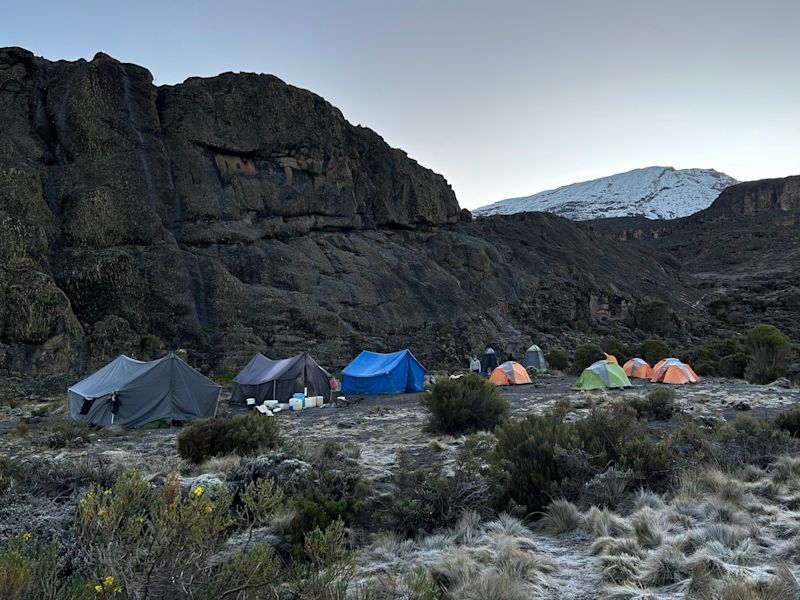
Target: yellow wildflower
(26, 536)
(106, 492)
(108, 581)
(98, 589)
(118, 589)
(198, 491)
(209, 509)
(101, 512)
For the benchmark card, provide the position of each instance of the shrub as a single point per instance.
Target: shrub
(653, 350)
(334, 490)
(769, 351)
(465, 405)
(244, 435)
(733, 365)
(705, 368)
(656, 317)
(658, 405)
(65, 434)
(617, 348)
(426, 499)
(585, 355)
(557, 359)
(525, 454)
(789, 420)
(747, 439)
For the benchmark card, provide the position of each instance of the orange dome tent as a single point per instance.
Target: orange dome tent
(510, 373)
(638, 368)
(673, 371)
(612, 358)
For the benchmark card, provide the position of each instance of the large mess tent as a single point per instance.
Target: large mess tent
(376, 373)
(510, 373)
(132, 393)
(266, 379)
(603, 374)
(673, 371)
(534, 357)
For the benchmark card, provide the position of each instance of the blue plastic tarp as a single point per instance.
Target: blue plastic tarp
(375, 373)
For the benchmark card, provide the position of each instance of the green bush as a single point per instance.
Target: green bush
(789, 420)
(65, 434)
(653, 350)
(465, 405)
(658, 405)
(216, 436)
(769, 351)
(655, 317)
(618, 349)
(753, 440)
(557, 359)
(426, 499)
(333, 491)
(526, 455)
(705, 368)
(733, 365)
(585, 355)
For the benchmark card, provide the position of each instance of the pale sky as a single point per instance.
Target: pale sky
(503, 98)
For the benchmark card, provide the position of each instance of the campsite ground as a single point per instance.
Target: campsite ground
(380, 427)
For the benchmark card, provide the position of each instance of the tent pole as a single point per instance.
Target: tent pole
(274, 384)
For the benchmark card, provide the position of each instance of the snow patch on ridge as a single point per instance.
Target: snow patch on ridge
(653, 192)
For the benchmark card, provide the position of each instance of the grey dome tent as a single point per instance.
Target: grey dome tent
(534, 357)
(132, 393)
(267, 379)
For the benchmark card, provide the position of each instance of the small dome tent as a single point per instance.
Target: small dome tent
(603, 374)
(638, 368)
(488, 361)
(132, 393)
(673, 371)
(611, 358)
(534, 357)
(375, 373)
(265, 379)
(510, 373)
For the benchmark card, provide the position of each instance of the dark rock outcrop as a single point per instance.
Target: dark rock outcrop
(239, 214)
(743, 251)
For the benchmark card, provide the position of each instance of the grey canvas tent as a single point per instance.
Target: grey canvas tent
(132, 393)
(266, 379)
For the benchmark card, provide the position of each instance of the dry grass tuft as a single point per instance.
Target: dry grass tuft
(561, 516)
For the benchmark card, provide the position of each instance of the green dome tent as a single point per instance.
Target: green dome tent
(602, 375)
(534, 357)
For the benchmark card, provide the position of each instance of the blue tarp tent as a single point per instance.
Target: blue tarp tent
(374, 373)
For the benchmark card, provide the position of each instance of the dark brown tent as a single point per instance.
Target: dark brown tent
(266, 379)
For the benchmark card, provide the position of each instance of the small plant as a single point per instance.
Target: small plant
(561, 516)
(789, 420)
(426, 499)
(216, 436)
(658, 405)
(769, 351)
(557, 359)
(733, 365)
(465, 405)
(585, 355)
(65, 434)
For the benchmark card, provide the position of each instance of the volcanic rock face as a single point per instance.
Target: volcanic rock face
(240, 214)
(744, 251)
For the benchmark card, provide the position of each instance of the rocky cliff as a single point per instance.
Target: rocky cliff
(238, 214)
(743, 251)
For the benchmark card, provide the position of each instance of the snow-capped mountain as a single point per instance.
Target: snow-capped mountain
(654, 192)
